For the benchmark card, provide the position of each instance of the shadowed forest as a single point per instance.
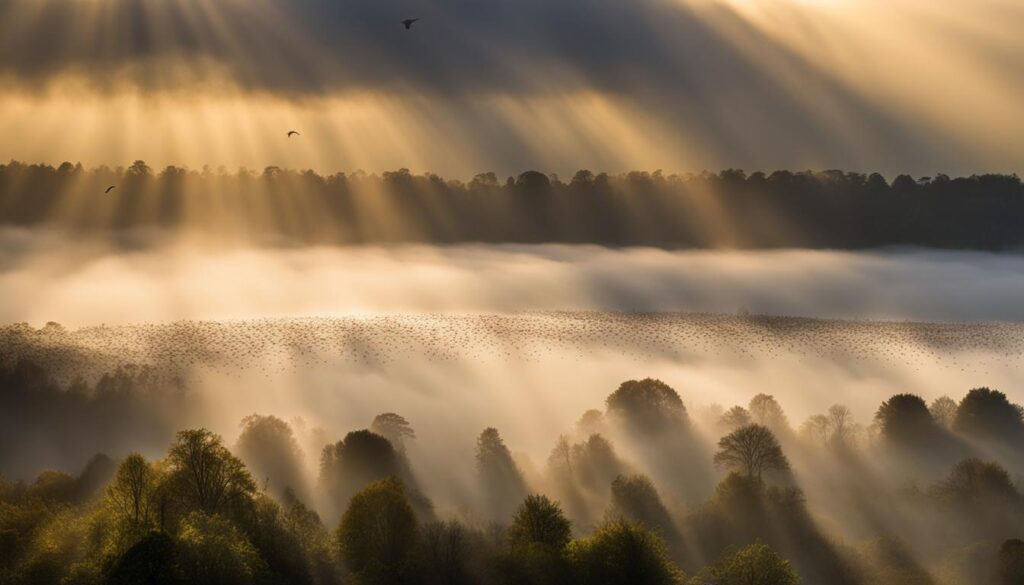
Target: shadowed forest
(830, 209)
(642, 488)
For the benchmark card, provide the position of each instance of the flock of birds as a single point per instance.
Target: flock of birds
(271, 346)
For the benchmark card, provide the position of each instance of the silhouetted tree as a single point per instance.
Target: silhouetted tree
(647, 405)
(752, 449)
(905, 419)
(269, 449)
(502, 483)
(988, 414)
(735, 418)
(634, 498)
(394, 428)
(943, 410)
(153, 560)
(765, 411)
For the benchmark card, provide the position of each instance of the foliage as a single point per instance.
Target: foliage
(212, 550)
(756, 564)
(622, 553)
(377, 535)
(647, 405)
(540, 522)
(207, 477)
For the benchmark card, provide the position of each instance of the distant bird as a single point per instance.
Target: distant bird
(110, 188)
(408, 22)
(293, 133)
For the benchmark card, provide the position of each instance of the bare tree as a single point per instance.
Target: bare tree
(130, 490)
(943, 410)
(752, 449)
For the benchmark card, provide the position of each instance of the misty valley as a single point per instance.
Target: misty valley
(544, 447)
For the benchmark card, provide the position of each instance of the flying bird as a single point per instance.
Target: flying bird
(293, 133)
(408, 22)
(110, 188)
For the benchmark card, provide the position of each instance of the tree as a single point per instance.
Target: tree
(502, 483)
(752, 449)
(394, 428)
(634, 498)
(647, 405)
(905, 418)
(943, 410)
(973, 481)
(151, 561)
(1011, 562)
(268, 447)
(756, 564)
(622, 553)
(131, 490)
(207, 476)
(356, 461)
(211, 550)
(539, 522)
(377, 534)
(765, 411)
(988, 414)
(735, 418)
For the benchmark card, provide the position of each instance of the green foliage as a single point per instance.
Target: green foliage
(377, 534)
(756, 564)
(207, 477)
(212, 550)
(622, 553)
(539, 522)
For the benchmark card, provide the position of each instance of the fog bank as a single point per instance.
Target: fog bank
(45, 277)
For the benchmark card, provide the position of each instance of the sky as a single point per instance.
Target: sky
(893, 86)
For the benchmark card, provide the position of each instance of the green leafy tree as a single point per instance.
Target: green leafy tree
(213, 551)
(756, 564)
(207, 476)
(988, 414)
(131, 492)
(377, 535)
(539, 522)
(622, 553)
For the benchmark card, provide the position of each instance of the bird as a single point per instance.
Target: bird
(408, 22)
(110, 188)
(293, 133)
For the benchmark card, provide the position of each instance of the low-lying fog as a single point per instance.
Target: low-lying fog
(46, 277)
(522, 338)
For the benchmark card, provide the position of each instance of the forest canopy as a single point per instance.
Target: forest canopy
(826, 209)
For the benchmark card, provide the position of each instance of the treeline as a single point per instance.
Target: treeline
(205, 513)
(830, 209)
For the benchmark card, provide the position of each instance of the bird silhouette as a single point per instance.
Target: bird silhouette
(293, 133)
(110, 188)
(408, 22)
